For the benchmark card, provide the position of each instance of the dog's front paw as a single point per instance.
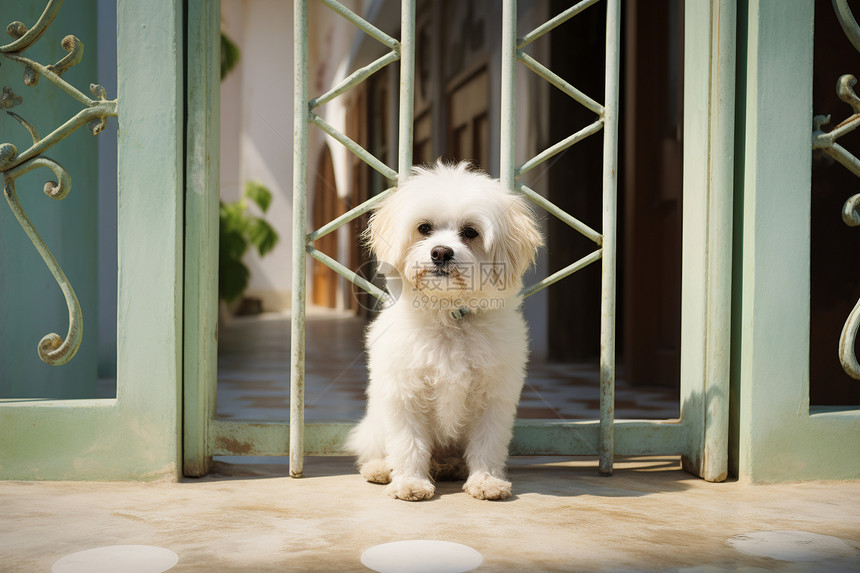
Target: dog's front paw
(484, 486)
(411, 488)
(375, 471)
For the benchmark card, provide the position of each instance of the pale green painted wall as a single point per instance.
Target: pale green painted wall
(778, 437)
(137, 435)
(32, 303)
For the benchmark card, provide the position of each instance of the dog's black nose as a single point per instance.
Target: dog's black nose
(441, 255)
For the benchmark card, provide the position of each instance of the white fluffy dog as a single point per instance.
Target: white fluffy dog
(447, 359)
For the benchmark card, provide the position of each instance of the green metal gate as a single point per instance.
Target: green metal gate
(166, 107)
(701, 435)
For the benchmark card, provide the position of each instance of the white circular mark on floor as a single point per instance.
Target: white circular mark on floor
(125, 558)
(421, 556)
(793, 546)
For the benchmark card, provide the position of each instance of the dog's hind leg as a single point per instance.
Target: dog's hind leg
(375, 471)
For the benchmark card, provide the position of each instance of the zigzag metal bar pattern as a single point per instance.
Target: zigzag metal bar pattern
(362, 74)
(355, 78)
(355, 148)
(349, 275)
(350, 215)
(559, 213)
(584, 100)
(607, 121)
(565, 272)
(554, 22)
(303, 116)
(559, 82)
(342, 87)
(362, 24)
(560, 146)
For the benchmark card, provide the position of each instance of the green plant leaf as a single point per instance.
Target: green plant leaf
(233, 278)
(262, 235)
(259, 194)
(229, 55)
(237, 232)
(233, 216)
(233, 245)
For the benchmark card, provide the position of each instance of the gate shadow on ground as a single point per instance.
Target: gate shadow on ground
(572, 477)
(547, 476)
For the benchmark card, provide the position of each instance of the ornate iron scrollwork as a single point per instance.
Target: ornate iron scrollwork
(53, 349)
(826, 142)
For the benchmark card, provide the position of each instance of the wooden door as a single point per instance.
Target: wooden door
(653, 193)
(326, 207)
(467, 120)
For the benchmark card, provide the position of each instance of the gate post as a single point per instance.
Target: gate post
(709, 112)
(610, 192)
(202, 193)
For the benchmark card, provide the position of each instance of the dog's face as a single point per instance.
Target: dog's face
(453, 233)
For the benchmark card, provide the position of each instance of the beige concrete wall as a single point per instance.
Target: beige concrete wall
(256, 120)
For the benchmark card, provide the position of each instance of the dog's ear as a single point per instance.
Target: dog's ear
(519, 236)
(381, 235)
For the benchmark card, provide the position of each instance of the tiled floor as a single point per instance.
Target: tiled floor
(254, 376)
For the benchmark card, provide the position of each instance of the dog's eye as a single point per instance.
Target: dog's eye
(425, 228)
(468, 233)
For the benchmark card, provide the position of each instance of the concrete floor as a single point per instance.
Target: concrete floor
(563, 517)
(247, 516)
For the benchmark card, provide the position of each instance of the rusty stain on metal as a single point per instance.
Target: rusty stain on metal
(233, 446)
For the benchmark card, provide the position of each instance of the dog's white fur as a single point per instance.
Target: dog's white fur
(447, 359)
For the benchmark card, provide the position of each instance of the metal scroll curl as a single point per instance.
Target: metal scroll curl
(826, 142)
(52, 349)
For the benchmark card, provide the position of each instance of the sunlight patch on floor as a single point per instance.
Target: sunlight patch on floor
(114, 558)
(421, 556)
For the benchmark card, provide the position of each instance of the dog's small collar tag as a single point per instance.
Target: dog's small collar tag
(460, 313)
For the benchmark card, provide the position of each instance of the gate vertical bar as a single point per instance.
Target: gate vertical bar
(300, 188)
(710, 36)
(200, 340)
(610, 184)
(508, 96)
(715, 447)
(407, 83)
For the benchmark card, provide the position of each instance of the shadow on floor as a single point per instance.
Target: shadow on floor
(566, 477)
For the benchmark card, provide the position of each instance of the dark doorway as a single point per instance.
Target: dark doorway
(835, 267)
(650, 191)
